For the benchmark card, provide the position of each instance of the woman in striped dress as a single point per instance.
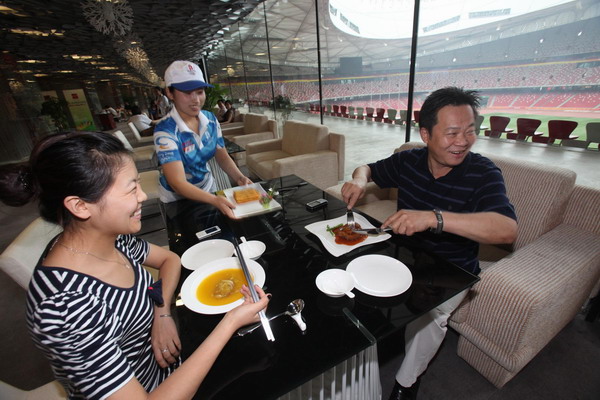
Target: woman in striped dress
(89, 307)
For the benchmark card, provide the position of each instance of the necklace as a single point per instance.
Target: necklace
(123, 261)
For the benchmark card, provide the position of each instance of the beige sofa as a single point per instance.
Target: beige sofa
(309, 151)
(528, 291)
(256, 127)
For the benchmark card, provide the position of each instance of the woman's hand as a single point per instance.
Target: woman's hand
(247, 312)
(243, 181)
(224, 205)
(165, 339)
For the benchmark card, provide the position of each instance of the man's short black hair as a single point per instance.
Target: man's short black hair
(448, 96)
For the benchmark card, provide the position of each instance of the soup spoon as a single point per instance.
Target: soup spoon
(293, 310)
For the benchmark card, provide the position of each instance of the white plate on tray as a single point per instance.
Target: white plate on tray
(205, 252)
(320, 230)
(190, 285)
(252, 207)
(379, 275)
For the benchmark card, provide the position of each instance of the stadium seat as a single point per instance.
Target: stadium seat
(336, 110)
(380, 113)
(526, 127)
(391, 116)
(416, 117)
(497, 126)
(403, 117)
(344, 111)
(360, 113)
(370, 111)
(351, 112)
(557, 130)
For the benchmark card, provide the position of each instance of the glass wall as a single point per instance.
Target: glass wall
(535, 59)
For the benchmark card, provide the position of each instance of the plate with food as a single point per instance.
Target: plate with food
(339, 239)
(205, 252)
(248, 200)
(214, 288)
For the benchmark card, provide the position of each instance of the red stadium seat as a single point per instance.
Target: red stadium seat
(526, 127)
(557, 130)
(497, 126)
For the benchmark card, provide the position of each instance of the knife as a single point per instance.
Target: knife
(372, 231)
(263, 318)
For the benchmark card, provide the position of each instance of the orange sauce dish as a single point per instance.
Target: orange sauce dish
(222, 287)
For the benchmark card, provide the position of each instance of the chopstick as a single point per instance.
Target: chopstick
(263, 318)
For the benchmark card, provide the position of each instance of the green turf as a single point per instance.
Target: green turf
(579, 131)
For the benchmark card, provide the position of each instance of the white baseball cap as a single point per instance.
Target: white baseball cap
(185, 76)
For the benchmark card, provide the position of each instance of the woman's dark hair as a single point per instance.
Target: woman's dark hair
(448, 96)
(82, 164)
(135, 110)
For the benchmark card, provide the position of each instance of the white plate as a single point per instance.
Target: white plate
(328, 240)
(379, 275)
(205, 252)
(334, 282)
(188, 289)
(252, 207)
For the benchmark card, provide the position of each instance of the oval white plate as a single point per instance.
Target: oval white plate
(205, 252)
(188, 289)
(334, 282)
(380, 275)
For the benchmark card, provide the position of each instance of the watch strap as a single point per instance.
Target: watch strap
(440, 221)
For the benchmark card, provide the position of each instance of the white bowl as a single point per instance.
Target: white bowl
(253, 249)
(334, 282)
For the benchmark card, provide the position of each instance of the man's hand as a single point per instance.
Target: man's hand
(353, 190)
(408, 222)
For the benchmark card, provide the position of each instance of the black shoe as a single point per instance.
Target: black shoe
(400, 392)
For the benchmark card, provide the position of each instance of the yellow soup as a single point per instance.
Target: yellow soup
(222, 287)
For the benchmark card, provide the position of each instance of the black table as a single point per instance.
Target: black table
(338, 328)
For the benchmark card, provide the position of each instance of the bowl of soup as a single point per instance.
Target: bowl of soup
(214, 288)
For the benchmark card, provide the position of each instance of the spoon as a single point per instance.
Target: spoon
(293, 310)
(334, 287)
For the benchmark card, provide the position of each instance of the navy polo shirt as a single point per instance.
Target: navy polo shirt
(476, 185)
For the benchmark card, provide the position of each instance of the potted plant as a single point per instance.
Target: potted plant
(58, 111)
(284, 105)
(213, 95)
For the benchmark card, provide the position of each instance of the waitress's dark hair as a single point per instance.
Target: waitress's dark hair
(82, 164)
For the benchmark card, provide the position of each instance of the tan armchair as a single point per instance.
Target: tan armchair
(256, 127)
(528, 291)
(307, 150)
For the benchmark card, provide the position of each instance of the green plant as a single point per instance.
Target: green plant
(284, 104)
(58, 111)
(213, 95)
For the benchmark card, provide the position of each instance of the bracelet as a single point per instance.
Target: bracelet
(165, 315)
(440, 221)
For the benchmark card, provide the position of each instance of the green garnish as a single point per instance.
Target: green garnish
(330, 229)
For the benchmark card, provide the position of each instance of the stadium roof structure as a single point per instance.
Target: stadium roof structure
(133, 41)
(293, 42)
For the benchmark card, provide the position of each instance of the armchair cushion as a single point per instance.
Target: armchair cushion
(302, 138)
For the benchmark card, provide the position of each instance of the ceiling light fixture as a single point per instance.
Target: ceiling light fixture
(108, 16)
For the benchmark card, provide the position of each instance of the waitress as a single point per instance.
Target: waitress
(187, 138)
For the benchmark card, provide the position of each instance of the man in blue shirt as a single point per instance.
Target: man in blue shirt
(187, 138)
(449, 197)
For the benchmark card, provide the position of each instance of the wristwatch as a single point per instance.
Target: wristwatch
(440, 221)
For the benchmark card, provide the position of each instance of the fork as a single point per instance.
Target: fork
(350, 219)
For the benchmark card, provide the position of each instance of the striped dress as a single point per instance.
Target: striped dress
(476, 185)
(96, 336)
